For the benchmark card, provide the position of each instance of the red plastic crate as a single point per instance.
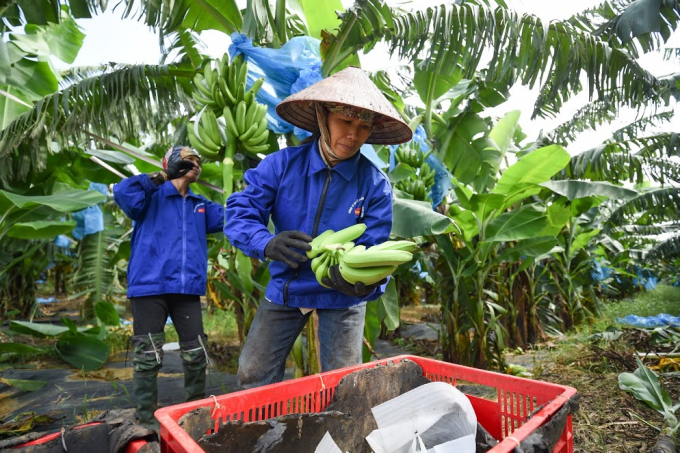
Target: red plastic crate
(502, 418)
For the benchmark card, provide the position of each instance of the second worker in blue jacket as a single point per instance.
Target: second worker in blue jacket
(167, 272)
(306, 190)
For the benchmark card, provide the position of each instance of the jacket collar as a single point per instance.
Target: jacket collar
(169, 190)
(347, 168)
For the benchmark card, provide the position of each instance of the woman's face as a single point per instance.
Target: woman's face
(347, 134)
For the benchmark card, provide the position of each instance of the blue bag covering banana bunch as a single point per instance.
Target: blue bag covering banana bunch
(221, 91)
(418, 186)
(357, 263)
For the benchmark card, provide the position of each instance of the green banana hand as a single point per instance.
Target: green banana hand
(240, 118)
(367, 276)
(377, 258)
(407, 246)
(317, 244)
(231, 123)
(345, 235)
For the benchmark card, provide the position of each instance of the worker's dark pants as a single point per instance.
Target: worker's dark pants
(151, 312)
(275, 328)
(149, 316)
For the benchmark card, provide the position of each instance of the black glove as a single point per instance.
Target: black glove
(178, 168)
(340, 284)
(282, 247)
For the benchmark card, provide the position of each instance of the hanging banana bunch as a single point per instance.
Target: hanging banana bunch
(204, 135)
(357, 263)
(247, 122)
(228, 114)
(216, 87)
(420, 184)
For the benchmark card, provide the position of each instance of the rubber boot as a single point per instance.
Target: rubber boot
(147, 361)
(195, 361)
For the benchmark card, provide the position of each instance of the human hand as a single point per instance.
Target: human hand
(282, 248)
(178, 168)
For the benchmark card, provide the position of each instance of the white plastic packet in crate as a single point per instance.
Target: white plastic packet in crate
(433, 418)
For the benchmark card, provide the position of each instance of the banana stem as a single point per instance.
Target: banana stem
(314, 364)
(280, 21)
(228, 167)
(330, 62)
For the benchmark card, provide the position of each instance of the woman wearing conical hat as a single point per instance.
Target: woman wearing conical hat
(306, 190)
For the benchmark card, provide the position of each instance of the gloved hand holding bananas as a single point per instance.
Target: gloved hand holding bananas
(357, 264)
(222, 91)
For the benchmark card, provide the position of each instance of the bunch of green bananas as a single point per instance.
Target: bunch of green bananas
(426, 175)
(370, 265)
(410, 156)
(418, 185)
(216, 88)
(357, 263)
(222, 91)
(204, 135)
(415, 187)
(247, 122)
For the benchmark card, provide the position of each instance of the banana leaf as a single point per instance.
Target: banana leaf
(83, 352)
(415, 218)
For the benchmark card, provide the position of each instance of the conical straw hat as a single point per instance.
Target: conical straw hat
(351, 86)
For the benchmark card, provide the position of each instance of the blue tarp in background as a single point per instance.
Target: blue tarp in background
(650, 321)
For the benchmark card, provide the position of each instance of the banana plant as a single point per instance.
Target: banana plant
(471, 256)
(572, 266)
(81, 347)
(645, 386)
(34, 221)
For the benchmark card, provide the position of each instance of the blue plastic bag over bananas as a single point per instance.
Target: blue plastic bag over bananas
(293, 67)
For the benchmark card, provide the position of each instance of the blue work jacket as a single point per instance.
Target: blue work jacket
(298, 191)
(169, 246)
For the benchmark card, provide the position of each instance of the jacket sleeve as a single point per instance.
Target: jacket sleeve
(133, 195)
(247, 212)
(215, 217)
(378, 220)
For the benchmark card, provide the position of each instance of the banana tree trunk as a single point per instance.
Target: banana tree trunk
(313, 351)
(664, 444)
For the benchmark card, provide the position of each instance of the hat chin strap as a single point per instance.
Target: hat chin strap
(324, 141)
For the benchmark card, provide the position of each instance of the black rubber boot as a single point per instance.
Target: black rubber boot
(195, 361)
(148, 358)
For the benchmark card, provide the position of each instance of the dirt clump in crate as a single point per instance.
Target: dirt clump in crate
(348, 418)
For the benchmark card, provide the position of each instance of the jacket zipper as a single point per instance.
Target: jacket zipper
(315, 229)
(184, 239)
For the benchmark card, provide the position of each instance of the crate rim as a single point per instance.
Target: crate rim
(169, 423)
